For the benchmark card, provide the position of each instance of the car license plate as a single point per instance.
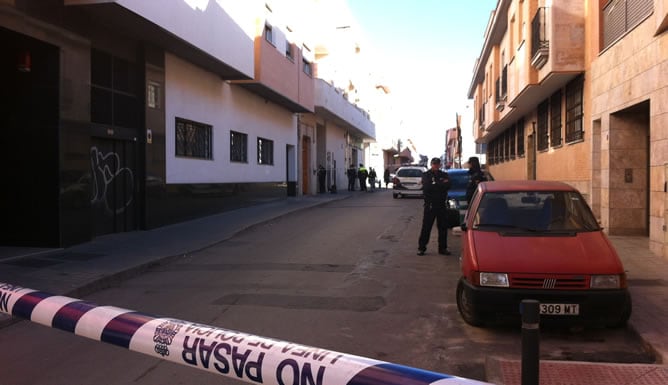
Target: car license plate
(559, 309)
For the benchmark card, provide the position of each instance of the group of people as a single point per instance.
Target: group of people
(363, 175)
(435, 186)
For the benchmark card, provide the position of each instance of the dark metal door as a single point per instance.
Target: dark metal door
(114, 185)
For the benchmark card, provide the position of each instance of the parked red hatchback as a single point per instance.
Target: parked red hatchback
(538, 240)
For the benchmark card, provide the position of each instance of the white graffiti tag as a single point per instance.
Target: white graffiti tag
(107, 170)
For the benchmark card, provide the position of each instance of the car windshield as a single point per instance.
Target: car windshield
(541, 211)
(409, 173)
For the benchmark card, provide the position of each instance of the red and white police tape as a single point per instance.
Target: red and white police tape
(230, 353)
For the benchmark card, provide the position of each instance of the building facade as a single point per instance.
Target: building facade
(576, 91)
(128, 115)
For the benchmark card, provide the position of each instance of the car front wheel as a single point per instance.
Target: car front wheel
(466, 307)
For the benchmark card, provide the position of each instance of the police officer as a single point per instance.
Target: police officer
(435, 185)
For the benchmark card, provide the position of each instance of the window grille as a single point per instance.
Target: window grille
(520, 137)
(574, 109)
(541, 125)
(193, 139)
(555, 119)
(265, 151)
(238, 147)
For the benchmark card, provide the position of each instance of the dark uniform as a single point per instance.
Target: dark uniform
(435, 185)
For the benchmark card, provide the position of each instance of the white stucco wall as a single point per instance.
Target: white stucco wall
(194, 94)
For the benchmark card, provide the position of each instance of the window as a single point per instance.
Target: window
(113, 91)
(621, 16)
(541, 126)
(268, 33)
(555, 119)
(288, 50)
(520, 137)
(265, 151)
(308, 69)
(238, 147)
(574, 129)
(513, 137)
(193, 139)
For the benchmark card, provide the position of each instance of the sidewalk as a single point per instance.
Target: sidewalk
(82, 269)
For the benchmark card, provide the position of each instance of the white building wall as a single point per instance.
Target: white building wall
(194, 94)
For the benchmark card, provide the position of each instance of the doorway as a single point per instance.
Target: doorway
(29, 118)
(628, 171)
(306, 161)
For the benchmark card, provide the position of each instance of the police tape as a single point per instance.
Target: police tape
(220, 351)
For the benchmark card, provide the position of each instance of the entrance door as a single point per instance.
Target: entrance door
(113, 170)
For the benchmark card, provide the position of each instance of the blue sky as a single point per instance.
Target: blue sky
(430, 47)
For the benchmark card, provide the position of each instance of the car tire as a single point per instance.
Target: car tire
(466, 308)
(395, 196)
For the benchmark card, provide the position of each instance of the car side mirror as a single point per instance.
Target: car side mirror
(463, 226)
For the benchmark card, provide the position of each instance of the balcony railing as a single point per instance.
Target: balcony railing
(540, 45)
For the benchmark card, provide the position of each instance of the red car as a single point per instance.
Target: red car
(538, 240)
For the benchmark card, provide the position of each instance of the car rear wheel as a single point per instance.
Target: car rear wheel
(466, 308)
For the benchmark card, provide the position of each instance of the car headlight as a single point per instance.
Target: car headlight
(453, 204)
(494, 279)
(605, 282)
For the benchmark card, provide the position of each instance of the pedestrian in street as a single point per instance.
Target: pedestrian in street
(352, 176)
(372, 178)
(322, 175)
(386, 177)
(435, 185)
(362, 174)
(475, 176)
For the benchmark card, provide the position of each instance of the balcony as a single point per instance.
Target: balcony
(169, 25)
(281, 78)
(331, 103)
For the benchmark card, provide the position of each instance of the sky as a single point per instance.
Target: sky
(430, 47)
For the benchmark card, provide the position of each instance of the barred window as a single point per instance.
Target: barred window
(541, 125)
(513, 136)
(265, 151)
(555, 119)
(238, 147)
(520, 137)
(574, 129)
(193, 139)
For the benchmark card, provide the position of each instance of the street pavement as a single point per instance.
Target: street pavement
(82, 269)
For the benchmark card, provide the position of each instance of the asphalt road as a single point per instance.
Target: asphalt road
(343, 276)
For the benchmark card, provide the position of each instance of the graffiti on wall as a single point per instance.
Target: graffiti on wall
(113, 185)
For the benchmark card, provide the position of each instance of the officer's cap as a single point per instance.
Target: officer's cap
(435, 160)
